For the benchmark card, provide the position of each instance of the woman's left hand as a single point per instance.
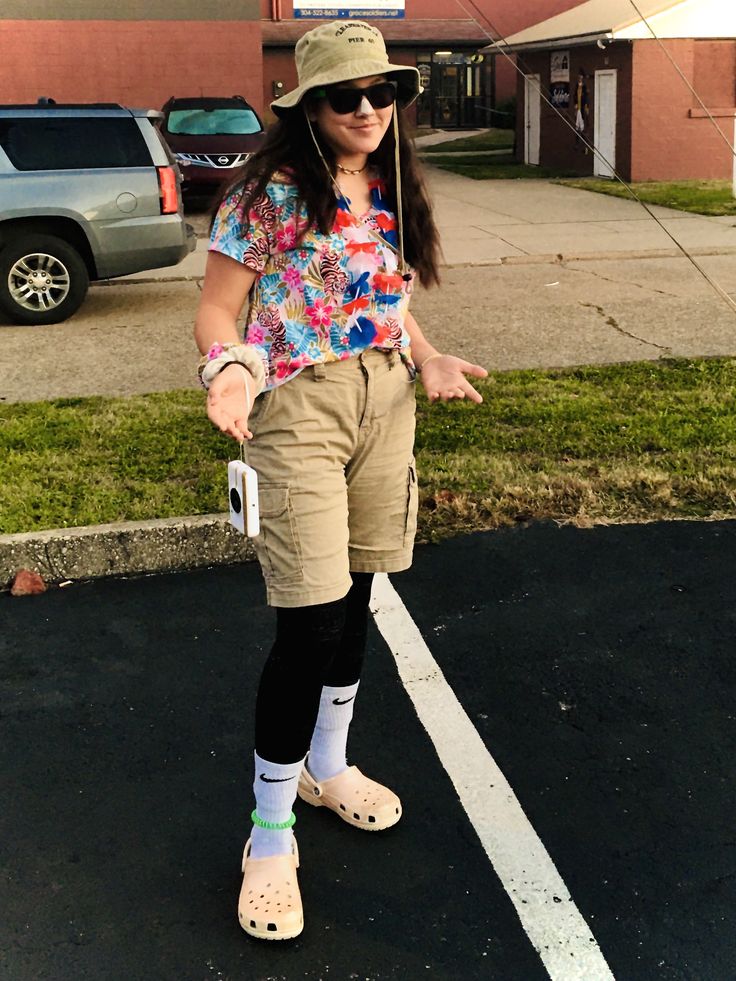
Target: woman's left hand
(444, 378)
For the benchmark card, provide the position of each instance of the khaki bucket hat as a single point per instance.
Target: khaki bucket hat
(339, 52)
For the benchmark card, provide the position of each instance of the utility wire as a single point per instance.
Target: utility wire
(501, 44)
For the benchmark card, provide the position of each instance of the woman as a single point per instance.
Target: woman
(314, 235)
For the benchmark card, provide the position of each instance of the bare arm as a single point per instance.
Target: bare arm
(224, 291)
(226, 286)
(443, 377)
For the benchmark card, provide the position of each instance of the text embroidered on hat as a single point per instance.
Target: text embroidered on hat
(357, 25)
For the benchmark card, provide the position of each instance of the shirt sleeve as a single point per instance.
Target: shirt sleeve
(249, 240)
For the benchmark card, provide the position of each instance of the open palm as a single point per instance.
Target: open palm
(229, 401)
(444, 378)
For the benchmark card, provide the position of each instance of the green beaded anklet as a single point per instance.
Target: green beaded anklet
(274, 825)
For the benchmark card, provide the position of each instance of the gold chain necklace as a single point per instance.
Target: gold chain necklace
(346, 171)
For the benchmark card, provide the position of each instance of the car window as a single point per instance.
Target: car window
(54, 143)
(213, 122)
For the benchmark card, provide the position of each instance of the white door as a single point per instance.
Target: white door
(532, 103)
(604, 130)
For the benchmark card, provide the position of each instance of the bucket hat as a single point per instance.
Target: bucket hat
(341, 51)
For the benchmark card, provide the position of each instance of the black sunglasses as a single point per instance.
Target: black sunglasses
(343, 99)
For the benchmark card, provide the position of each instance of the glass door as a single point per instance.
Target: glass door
(447, 93)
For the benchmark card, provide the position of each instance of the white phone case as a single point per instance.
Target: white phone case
(242, 485)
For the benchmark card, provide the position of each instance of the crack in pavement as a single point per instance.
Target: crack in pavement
(617, 282)
(612, 322)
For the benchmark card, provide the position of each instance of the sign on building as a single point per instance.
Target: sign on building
(367, 10)
(559, 67)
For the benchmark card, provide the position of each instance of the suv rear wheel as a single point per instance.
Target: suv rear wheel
(43, 280)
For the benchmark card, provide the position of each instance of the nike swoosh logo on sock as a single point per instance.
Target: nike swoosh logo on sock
(336, 701)
(274, 779)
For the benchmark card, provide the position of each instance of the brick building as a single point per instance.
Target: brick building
(136, 52)
(603, 69)
(140, 52)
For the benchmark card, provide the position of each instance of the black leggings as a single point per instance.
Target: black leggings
(315, 646)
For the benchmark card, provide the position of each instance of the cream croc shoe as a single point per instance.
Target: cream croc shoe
(270, 904)
(354, 797)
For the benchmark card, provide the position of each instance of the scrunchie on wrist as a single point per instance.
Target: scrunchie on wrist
(220, 355)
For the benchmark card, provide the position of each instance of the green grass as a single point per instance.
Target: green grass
(492, 139)
(698, 197)
(634, 442)
(482, 168)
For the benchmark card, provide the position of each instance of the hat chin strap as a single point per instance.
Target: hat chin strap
(403, 268)
(399, 197)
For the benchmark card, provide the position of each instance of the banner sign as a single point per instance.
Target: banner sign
(366, 10)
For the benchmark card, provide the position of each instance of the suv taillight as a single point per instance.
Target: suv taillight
(167, 190)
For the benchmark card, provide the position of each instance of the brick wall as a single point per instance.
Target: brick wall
(667, 144)
(136, 63)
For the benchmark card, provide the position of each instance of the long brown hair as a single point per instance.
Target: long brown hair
(289, 146)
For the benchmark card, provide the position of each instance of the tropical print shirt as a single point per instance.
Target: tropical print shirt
(325, 299)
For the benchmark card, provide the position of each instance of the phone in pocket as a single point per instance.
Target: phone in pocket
(242, 485)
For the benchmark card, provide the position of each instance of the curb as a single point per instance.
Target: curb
(124, 548)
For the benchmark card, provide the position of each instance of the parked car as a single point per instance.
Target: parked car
(210, 138)
(87, 192)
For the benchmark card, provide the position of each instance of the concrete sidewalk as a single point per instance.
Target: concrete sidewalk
(490, 222)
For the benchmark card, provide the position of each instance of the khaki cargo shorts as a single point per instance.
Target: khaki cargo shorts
(333, 449)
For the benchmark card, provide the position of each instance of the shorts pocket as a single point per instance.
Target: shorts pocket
(392, 388)
(412, 505)
(260, 410)
(278, 543)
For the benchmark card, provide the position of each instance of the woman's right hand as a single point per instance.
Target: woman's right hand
(229, 400)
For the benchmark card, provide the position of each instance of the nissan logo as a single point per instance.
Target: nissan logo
(223, 160)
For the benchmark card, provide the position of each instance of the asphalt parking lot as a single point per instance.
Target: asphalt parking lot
(594, 668)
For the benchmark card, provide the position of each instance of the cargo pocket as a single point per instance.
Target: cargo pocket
(412, 505)
(278, 543)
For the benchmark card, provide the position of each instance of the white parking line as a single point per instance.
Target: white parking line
(547, 912)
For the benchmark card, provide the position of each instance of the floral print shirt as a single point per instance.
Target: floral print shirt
(326, 299)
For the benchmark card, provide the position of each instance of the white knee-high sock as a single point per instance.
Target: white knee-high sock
(328, 749)
(275, 789)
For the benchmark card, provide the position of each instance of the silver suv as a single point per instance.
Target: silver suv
(86, 192)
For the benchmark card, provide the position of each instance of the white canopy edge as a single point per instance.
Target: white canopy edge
(617, 20)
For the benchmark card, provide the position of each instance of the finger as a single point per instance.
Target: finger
(235, 432)
(242, 425)
(476, 370)
(472, 394)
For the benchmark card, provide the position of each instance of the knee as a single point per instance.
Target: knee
(307, 637)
